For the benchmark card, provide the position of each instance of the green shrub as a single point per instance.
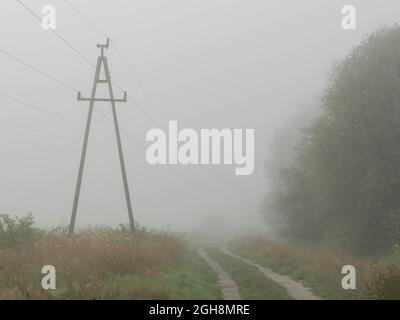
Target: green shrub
(15, 231)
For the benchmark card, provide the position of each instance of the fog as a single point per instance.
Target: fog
(207, 64)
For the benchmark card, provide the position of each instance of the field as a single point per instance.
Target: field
(108, 263)
(102, 264)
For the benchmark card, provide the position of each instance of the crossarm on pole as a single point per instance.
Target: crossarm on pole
(124, 99)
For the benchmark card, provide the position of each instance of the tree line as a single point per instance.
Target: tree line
(334, 176)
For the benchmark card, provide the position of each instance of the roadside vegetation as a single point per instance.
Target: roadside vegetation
(102, 263)
(320, 267)
(333, 177)
(253, 285)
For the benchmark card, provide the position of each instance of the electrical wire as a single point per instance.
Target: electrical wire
(99, 30)
(37, 108)
(38, 70)
(57, 34)
(19, 126)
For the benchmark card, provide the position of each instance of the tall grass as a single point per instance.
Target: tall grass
(85, 262)
(320, 267)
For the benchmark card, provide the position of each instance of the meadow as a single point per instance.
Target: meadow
(102, 263)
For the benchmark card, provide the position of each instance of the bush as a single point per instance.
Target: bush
(385, 285)
(16, 231)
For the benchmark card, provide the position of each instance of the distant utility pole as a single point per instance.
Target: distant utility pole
(101, 61)
(240, 207)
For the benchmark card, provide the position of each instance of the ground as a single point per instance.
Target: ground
(113, 264)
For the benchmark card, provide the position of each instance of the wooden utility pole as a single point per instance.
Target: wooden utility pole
(102, 62)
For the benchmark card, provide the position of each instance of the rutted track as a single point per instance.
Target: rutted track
(228, 287)
(295, 289)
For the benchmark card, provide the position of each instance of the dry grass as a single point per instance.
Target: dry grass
(84, 261)
(318, 267)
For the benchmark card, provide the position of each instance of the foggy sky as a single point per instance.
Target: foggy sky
(207, 64)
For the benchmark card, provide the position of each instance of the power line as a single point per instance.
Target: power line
(143, 111)
(86, 19)
(19, 126)
(83, 57)
(55, 115)
(45, 111)
(91, 64)
(138, 145)
(99, 30)
(27, 64)
(31, 106)
(62, 83)
(119, 87)
(135, 103)
(132, 73)
(37, 70)
(57, 34)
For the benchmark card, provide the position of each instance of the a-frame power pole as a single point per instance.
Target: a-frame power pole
(101, 62)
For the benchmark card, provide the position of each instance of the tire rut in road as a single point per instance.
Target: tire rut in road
(229, 288)
(295, 289)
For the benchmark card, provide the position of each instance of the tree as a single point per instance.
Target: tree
(354, 147)
(283, 153)
(349, 161)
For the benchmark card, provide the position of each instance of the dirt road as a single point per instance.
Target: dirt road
(295, 289)
(229, 288)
